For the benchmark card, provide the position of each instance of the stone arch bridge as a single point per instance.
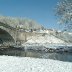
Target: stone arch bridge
(9, 35)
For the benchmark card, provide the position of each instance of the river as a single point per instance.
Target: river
(36, 54)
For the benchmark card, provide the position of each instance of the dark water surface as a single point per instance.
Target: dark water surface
(36, 54)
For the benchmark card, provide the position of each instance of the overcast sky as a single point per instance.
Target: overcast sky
(41, 11)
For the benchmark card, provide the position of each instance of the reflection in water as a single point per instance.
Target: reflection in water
(36, 54)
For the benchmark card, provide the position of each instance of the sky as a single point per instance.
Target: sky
(42, 11)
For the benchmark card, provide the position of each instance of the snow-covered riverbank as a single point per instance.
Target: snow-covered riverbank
(26, 64)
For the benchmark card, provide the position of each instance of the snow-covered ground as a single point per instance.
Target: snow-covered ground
(44, 39)
(26, 64)
(42, 42)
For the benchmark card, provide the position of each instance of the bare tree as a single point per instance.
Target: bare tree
(64, 12)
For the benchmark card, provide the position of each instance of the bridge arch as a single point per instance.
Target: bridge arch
(7, 34)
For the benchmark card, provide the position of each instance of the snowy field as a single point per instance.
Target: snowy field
(26, 64)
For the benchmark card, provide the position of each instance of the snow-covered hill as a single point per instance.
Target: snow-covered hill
(50, 37)
(65, 36)
(44, 39)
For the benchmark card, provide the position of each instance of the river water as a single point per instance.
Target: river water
(36, 54)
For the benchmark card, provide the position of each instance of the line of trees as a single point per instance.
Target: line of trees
(19, 23)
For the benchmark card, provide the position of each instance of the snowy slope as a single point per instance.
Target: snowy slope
(25, 64)
(67, 37)
(44, 39)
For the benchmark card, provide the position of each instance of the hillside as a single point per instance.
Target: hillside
(23, 23)
(47, 38)
(52, 37)
(65, 36)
